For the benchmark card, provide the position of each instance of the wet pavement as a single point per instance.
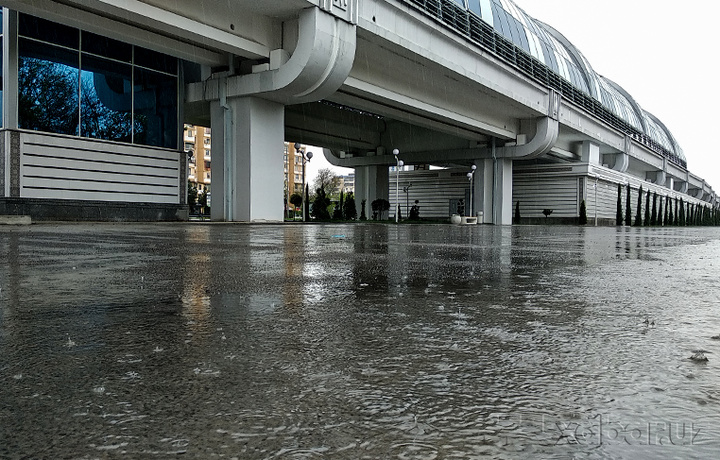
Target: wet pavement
(358, 341)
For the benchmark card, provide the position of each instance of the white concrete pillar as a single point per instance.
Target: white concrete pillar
(482, 186)
(590, 153)
(502, 195)
(371, 183)
(217, 188)
(493, 190)
(248, 180)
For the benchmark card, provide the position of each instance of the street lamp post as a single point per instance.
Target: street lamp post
(399, 164)
(305, 158)
(406, 189)
(595, 204)
(470, 178)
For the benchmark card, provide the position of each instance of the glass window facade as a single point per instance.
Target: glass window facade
(2, 59)
(78, 83)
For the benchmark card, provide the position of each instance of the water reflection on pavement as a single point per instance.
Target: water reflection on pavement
(358, 341)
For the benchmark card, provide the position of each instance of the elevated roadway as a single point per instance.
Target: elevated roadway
(362, 78)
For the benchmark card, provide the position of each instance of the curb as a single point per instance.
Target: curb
(15, 220)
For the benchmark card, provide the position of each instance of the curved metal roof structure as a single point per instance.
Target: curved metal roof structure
(551, 48)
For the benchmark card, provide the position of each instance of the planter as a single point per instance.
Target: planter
(455, 219)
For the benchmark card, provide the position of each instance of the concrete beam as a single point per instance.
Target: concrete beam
(320, 63)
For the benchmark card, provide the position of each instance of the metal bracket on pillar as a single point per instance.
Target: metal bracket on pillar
(628, 145)
(554, 104)
(346, 10)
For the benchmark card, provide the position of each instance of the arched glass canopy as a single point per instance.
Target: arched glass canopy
(551, 48)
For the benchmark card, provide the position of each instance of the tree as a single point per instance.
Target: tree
(192, 196)
(653, 216)
(349, 210)
(660, 211)
(379, 207)
(628, 210)
(363, 216)
(306, 211)
(338, 211)
(681, 213)
(619, 213)
(638, 215)
(202, 201)
(667, 219)
(646, 221)
(326, 180)
(583, 214)
(517, 212)
(320, 205)
(296, 200)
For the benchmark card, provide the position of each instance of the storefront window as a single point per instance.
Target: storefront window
(78, 83)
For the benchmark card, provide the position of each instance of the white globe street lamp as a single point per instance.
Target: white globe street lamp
(305, 158)
(470, 178)
(399, 164)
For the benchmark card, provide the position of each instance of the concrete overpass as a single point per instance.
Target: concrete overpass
(431, 78)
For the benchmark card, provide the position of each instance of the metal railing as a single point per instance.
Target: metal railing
(449, 14)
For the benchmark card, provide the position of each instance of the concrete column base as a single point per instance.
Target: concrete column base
(371, 183)
(247, 142)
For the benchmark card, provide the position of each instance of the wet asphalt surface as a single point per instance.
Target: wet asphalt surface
(358, 341)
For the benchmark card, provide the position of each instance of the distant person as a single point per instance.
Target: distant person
(415, 211)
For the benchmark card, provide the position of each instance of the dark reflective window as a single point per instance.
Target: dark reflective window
(48, 88)
(51, 32)
(106, 99)
(95, 88)
(1, 76)
(106, 47)
(156, 61)
(155, 108)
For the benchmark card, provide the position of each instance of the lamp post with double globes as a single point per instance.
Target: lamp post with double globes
(470, 177)
(399, 164)
(305, 158)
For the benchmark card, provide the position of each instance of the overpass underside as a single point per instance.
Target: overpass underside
(360, 79)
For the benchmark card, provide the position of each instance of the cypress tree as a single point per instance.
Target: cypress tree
(660, 212)
(628, 210)
(681, 220)
(653, 216)
(667, 207)
(646, 221)
(307, 204)
(619, 213)
(517, 212)
(342, 205)
(583, 213)
(638, 215)
(363, 216)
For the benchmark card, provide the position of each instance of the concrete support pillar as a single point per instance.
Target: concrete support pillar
(590, 153)
(493, 190)
(371, 183)
(502, 195)
(482, 186)
(670, 183)
(248, 136)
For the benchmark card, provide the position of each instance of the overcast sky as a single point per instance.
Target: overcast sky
(662, 53)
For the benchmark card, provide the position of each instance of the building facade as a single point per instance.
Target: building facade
(197, 144)
(90, 126)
